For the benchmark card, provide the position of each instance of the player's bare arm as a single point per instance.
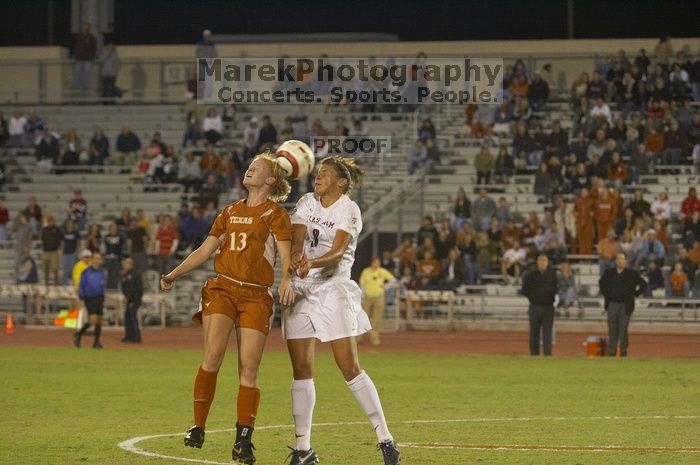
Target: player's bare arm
(285, 289)
(192, 262)
(332, 257)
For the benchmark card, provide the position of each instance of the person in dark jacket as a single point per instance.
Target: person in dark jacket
(132, 288)
(92, 291)
(540, 288)
(620, 286)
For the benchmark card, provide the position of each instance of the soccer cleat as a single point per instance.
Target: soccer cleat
(97, 345)
(242, 453)
(303, 457)
(194, 437)
(76, 339)
(390, 451)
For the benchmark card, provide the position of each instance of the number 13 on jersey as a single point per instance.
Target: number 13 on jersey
(238, 241)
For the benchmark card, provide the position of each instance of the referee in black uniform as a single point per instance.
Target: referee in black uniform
(540, 288)
(620, 286)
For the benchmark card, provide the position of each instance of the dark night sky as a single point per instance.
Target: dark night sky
(181, 21)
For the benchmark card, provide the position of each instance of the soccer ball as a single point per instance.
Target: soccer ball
(295, 158)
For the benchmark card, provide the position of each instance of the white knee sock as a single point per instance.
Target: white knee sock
(366, 394)
(303, 401)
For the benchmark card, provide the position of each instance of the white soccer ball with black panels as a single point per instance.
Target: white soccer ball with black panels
(295, 158)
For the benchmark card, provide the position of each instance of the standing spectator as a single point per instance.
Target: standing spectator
(483, 209)
(22, 233)
(84, 51)
(538, 92)
(543, 184)
(166, 244)
(540, 288)
(453, 269)
(620, 285)
(128, 145)
(69, 247)
(504, 166)
(137, 244)
(4, 219)
(605, 210)
(484, 164)
(213, 127)
(114, 249)
(16, 130)
(51, 237)
(99, 148)
(132, 288)
(4, 130)
(663, 52)
(92, 291)
(566, 285)
(34, 215)
(373, 281)
(77, 209)
(189, 173)
(513, 261)
(252, 132)
(205, 49)
(110, 68)
(608, 248)
(93, 239)
(268, 134)
(191, 129)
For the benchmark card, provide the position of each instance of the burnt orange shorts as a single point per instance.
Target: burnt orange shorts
(248, 306)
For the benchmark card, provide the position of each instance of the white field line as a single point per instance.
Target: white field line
(130, 445)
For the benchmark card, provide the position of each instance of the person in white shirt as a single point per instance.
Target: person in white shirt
(326, 224)
(212, 127)
(661, 208)
(16, 130)
(601, 111)
(514, 259)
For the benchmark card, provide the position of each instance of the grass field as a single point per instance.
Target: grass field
(66, 406)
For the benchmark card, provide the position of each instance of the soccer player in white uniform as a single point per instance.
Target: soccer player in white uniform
(326, 224)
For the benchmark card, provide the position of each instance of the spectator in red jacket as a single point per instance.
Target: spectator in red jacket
(690, 205)
(675, 145)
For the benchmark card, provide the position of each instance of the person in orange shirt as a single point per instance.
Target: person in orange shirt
(617, 171)
(210, 163)
(679, 281)
(608, 248)
(694, 253)
(604, 212)
(661, 233)
(654, 141)
(584, 222)
(246, 233)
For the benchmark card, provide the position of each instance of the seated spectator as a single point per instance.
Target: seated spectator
(428, 269)
(630, 245)
(484, 256)
(510, 235)
(445, 240)
(34, 214)
(626, 223)
(678, 282)
(661, 208)
(16, 131)
(495, 238)
(252, 132)
(192, 133)
(581, 180)
(483, 120)
(427, 230)
(600, 114)
(267, 138)
(513, 262)
(555, 243)
(452, 270)
(655, 278)
(579, 147)
(212, 127)
(597, 146)
(640, 207)
(4, 130)
(426, 131)
(675, 145)
(47, 149)
(596, 88)
(405, 253)
(661, 233)
(210, 162)
(691, 230)
(4, 220)
(483, 209)
(654, 141)
(503, 213)
(543, 184)
(209, 193)
(71, 154)
(432, 152)
(504, 166)
(557, 142)
(189, 173)
(566, 286)
(98, 151)
(538, 92)
(418, 158)
(652, 250)
(617, 171)
(484, 164)
(608, 248)
(503, 120)
(619, 131)
(128, 145)
(462, 210)
(690, 205)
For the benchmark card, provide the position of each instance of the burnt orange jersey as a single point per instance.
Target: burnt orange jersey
(248, 235)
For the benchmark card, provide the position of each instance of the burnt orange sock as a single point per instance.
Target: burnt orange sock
(204, 389)
(247, 405)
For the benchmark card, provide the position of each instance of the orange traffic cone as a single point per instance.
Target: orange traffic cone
(9, 325)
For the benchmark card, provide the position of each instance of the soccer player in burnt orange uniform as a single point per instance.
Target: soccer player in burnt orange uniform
(248, 234)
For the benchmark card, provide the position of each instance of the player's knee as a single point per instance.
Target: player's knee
(248, 376)
(212, 360)
(351, 370)
(303, 372)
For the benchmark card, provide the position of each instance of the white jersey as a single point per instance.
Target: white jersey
(321, 225)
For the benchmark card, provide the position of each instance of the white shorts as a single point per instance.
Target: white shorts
(325, 310)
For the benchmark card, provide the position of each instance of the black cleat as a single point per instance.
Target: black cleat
(194, 437)
(242, 453)
(303, 457)
(76, 339)
(97, 345)
(390, 451)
